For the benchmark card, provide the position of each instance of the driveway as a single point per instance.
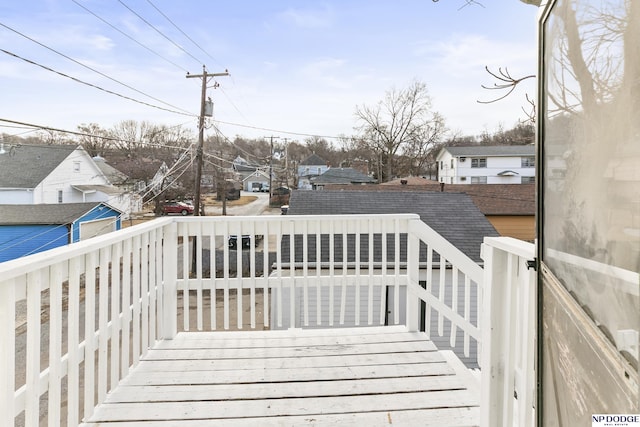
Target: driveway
(257, 207)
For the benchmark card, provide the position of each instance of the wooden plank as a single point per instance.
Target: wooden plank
(303, 351)
(286, 374)
(438, 417)
(201, 342)
(185, 393)
(282, 407)
(289, 362)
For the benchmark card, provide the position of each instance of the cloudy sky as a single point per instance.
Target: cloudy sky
(297, 67)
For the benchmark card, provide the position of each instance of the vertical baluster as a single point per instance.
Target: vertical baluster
(212, 275)
(467, 311)
(318, 239)
(265, 273)
(136, 300)
(225, 282)
(345, 252)
(103, 318)
(383, 275)
(279, 236)
(89, 332)
(197, 238)
(55, 343)
(158, 284)
(240, 273)
(396, 268)
(332, 279)
(429, 289)
(454, 305)
(34, 305)
(144, 294)
(357, 242)
(442, 286)
(186, 267)
(153, 239)
(115, 314)
(73, 342)
(292, 272)
(126, 306)
(252, 276)
(370, 226)
(305, 271)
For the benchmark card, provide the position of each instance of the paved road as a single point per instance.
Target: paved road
(259, 207)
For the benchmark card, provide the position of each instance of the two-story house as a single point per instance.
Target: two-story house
(53, 174)
(503, 164)
(310, 167)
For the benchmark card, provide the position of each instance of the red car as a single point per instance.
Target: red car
(177, 208)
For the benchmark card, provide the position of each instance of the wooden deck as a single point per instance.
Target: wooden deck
(358, 376)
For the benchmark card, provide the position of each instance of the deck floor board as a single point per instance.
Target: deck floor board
(295, 377)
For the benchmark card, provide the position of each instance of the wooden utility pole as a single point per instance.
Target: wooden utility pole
(205, 79)
(271, 166)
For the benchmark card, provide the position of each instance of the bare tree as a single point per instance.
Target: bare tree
(93, 138)
(402, 123)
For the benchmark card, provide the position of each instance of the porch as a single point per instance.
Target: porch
(334, 320)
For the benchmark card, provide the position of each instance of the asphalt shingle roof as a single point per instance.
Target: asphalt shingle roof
(452, 215)
(314, 160)
(62, 213)
(492, 150)
(25, 166)
(341, 176)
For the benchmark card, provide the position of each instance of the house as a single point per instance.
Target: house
(311, 166)
(29, 229)
(500, 164)
(453, 215)
(47, 174)
(510, 208)
(339, 176)
(256, 181)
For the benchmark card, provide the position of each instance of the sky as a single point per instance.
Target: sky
(296, 67)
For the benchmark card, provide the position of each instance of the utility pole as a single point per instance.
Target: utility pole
(203, 101)
(271, 167)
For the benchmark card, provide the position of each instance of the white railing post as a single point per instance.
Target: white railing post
(7, 351)
(508, 334)
(413, 276)
(492, 330)
(169, 285)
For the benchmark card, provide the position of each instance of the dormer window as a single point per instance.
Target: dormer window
(76, 166)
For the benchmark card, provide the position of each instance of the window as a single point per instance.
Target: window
(451, 163)
(527, 180)
(528, 162)
(59, 196)
(76, 166)
(480, 162)
(479, 179)
(441, 165)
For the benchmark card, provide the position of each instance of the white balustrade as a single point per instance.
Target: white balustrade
(113, 297)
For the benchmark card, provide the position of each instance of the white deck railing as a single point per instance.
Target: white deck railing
(147, 282)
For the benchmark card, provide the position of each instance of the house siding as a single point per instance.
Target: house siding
(20, 240)
(521, 227)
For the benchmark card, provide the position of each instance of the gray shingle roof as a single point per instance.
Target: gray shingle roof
(114, 176)
(314, 160)
(25, 166)
(341, 176)
(493, 150)
(62, 213)
(452, 215)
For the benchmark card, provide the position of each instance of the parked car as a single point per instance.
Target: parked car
(177, 208)
(246, 241)
(264, 188)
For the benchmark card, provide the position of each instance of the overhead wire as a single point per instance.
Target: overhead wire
(77, 80)
(90, 68)
(159, 32)
(181, 31)
(129, 37)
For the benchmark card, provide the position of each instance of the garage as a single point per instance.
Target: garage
(95, 228)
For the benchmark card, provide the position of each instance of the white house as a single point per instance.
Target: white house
(49, 174)
(503, 164)
(313, 165)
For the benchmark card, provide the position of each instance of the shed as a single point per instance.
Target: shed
(29, 229)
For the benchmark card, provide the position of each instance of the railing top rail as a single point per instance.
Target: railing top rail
(515, 246)
(19, 266)
(294, 218)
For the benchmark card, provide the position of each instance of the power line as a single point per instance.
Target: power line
(159, 32)
(90, 68)
(130, 37)
(183, 33)
(77, 80)
(280, 131)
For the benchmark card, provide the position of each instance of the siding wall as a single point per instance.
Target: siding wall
(521, 227)
(20, 240)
